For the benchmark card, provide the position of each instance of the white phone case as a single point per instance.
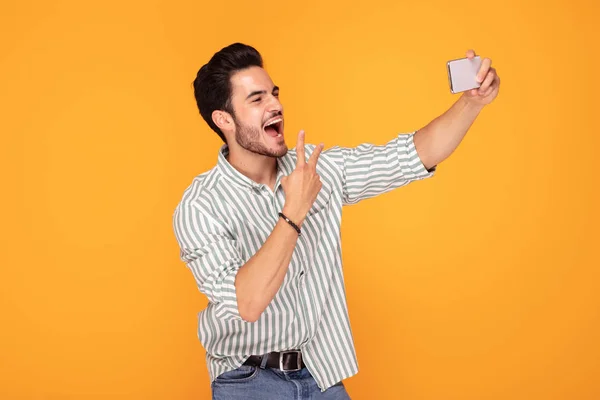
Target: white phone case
(462, 73)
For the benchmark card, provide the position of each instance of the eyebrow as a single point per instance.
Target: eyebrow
(257, 92)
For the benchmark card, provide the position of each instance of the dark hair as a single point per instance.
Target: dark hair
(212, 86)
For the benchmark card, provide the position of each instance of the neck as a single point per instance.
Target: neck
(259, 168)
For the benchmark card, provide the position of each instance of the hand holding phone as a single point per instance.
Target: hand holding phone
(462, 74)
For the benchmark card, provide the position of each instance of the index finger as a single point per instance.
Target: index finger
(301, 157)
(483, 70)
(315, 155)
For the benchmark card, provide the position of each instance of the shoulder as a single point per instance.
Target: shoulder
(329, 165)
(328, 155)
(199, 193)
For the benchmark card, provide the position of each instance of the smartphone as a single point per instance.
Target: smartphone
(462, 73)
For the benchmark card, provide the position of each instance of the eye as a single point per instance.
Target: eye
(258, 99)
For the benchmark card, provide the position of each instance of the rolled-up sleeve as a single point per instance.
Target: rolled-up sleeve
(369, 170)
(212, 256)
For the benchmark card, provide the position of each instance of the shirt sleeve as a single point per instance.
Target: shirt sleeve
(369, 170)
(212, 256)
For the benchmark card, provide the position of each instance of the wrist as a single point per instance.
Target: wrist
(293, 215)
(291, 223)
(471, 103)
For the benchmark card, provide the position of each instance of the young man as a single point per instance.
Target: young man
(261, 230)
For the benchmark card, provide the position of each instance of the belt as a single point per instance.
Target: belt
(288, 361)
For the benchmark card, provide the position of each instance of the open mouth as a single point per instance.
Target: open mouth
(274, 127)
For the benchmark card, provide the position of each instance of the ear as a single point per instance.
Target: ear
(223, 120)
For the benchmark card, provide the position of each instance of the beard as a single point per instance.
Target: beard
(248, 137)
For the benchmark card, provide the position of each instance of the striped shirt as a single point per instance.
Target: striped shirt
(224, 218)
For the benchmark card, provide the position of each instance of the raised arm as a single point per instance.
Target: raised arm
(438, 139)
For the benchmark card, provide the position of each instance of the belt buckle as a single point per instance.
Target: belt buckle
(298, 359)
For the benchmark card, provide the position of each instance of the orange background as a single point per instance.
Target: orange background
(481, 283)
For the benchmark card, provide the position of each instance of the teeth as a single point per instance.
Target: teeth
(279, 135)
(273, 122)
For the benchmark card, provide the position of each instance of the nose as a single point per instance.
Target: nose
(274, 105)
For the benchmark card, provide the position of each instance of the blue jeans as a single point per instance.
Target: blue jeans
(249, 383)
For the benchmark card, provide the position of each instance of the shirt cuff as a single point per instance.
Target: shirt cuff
(227, 308)
(413, 167)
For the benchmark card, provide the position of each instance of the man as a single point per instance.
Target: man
(261, 230)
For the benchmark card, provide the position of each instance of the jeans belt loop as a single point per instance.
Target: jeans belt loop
(263, 361)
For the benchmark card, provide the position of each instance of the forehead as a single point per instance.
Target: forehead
(250, 80)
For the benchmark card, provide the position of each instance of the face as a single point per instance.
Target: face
(258, 114)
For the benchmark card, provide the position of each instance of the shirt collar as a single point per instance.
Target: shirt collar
(237, 177)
